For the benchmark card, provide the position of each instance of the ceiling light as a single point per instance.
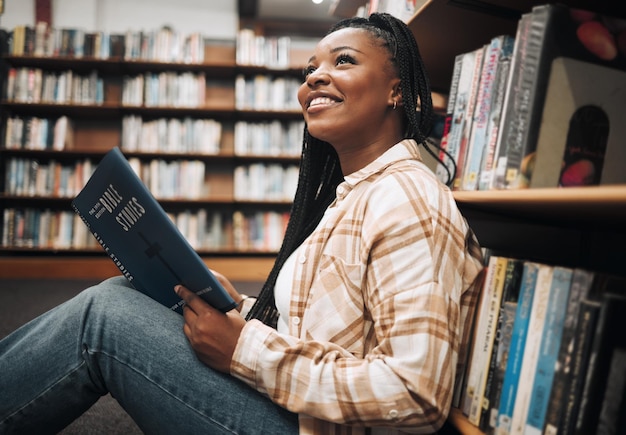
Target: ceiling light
(317, 2)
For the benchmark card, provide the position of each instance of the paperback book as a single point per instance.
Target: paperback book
(141, 239)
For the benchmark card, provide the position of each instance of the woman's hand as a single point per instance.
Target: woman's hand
(238, 298)
(212, 334)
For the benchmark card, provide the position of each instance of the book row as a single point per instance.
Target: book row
(264, 92)
(272, 138)
(166, 179)
(34, 133)
(260, 181)
(165, 89)
(545, 356)
(163, 44)
(259, 50)
(34, 85)
(541, 109)
(171, 135)
(205, 230)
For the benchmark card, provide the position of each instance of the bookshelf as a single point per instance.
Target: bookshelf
(581, 227)
(98, 126)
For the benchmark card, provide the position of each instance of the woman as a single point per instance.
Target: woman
(362, 323)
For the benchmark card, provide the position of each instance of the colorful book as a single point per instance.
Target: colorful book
(482, 111)
(140, 238)
(548, 349)
(580, 287)
(516, 348)
(555, 31)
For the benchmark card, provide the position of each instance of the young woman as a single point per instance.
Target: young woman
(362, 324)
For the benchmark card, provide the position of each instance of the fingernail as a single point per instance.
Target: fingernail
(177, 289)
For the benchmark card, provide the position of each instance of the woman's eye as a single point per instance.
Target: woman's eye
(306, 71)
(344, 59)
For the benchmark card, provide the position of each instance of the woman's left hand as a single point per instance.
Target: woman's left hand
(213, 335)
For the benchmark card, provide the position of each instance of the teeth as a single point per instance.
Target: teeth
(320, 100)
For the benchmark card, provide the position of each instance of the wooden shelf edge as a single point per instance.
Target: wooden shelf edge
(248, 269)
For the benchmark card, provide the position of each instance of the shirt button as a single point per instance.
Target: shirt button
(393, 414)
(302, 259)
(295, 320)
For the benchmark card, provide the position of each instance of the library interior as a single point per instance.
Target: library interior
(201, 98)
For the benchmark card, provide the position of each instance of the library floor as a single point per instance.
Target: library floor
(23, 299)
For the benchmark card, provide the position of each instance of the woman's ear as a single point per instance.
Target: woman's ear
(395, 96)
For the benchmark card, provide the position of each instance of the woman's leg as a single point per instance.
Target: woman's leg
(111, 338)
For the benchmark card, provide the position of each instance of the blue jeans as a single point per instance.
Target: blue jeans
(113, 339)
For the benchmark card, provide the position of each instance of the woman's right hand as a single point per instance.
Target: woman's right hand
(237, 297)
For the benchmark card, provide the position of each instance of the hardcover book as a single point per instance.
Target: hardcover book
(141, 239)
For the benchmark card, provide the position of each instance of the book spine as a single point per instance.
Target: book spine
(586, 325)
(488, 340)
(550, 343)
(500, 351)
(506, 127)
(516, 349)
(480, 117)
(531, 349)
(607, 339)
(467, 124)
(445, 170)
(581, 283)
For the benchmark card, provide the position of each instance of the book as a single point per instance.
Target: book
(445, 171)
(609, 343)
(467, 122)
(500, 351)
(555, 31)
(516, 348)
(548, 349)
(580, 138)
(463, 104)
(506, 125)
(585, 330)
(497, 48)
(528, 368)
(141, 239)
(484, 337)
(580, 287)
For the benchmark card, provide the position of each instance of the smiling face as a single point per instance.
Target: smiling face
(348, 94)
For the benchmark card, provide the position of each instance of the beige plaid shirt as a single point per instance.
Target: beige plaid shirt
(382, 300)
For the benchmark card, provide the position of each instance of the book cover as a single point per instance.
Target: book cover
(608, 343)
(580, 287)
(516, 348)
(141, 239)
(548, 349)
(581, 135)
(500, 352)
(528, 368)
(498, 47)
(555, 31)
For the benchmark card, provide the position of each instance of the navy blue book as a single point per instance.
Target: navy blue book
(141, 239)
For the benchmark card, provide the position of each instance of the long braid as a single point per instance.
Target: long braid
(320, 172)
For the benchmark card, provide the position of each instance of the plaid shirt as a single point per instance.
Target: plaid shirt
(382, 302)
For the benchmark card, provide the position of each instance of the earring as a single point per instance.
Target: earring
(395, 104)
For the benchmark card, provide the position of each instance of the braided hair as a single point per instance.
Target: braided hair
(320, 171)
